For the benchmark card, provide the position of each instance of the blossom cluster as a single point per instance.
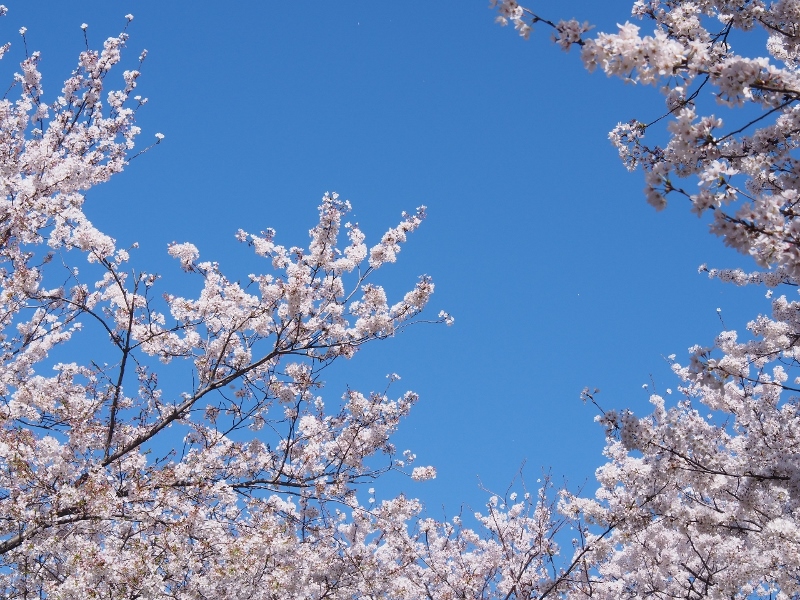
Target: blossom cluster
(744, 172)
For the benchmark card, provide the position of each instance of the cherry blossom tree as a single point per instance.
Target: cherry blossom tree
(701, 498)
(187, 450)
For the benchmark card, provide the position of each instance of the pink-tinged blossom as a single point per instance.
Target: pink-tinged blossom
(423, 473)
(186, 253)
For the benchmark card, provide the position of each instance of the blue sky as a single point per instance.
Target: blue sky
(540, 243)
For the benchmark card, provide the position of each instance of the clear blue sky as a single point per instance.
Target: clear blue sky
(540, 243)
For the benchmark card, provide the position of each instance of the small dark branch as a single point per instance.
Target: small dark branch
(754, 121)
(112, 421)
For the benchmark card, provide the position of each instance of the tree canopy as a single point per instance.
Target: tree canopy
(698, 499)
